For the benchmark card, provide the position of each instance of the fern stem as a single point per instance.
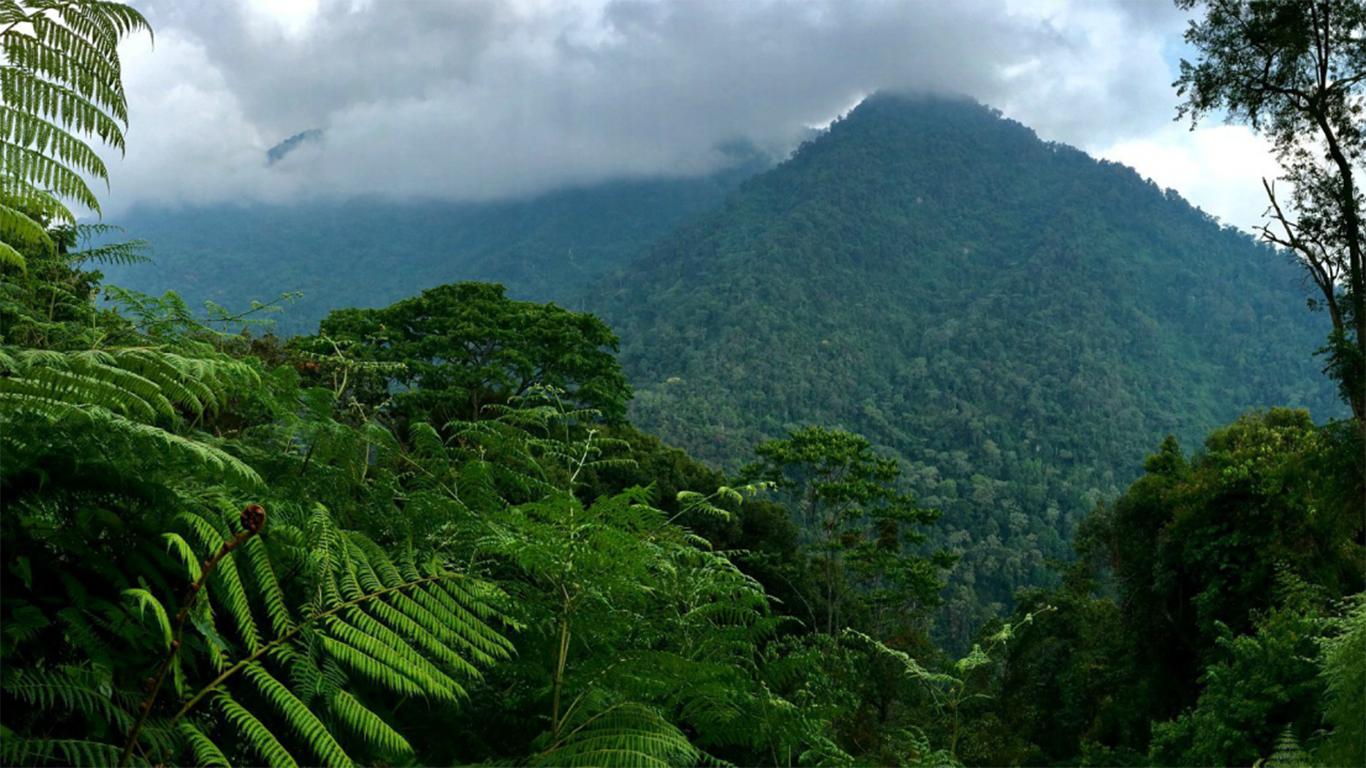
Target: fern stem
(559, 672)
(286, 637)
(191, 597)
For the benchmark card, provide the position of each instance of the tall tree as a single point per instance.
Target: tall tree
(466, 346)
(1295, 71)
(858, 524)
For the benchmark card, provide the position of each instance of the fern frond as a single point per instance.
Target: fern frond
(622, 735)
(368, 725)
(206, 753)
(146, 600)
(483, 642)
(255, 733)
(263, 574)
(185, 553)
(15, 227)
(300, 718)
(225, 583)
(126, 252)
(53, 100)
(75, 753)
(373, 669)
(9, 256)
(72, 689)
(36, 168)
(1288, 752)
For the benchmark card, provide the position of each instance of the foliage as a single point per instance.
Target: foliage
(859, 528)
(1016, 322)
(551, 247)
(426, 534)
(1261, 685)
(1195, 547)
(1295, 71)
(60, 81)
(1061, 686)
(393, 569)
(125, 462)
(1195, 627)
(1343, 660)
(462, 348)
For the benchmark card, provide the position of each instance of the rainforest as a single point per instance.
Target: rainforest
(908, 438)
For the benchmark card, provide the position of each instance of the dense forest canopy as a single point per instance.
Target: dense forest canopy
(550, 248)
(1016, 321)
(441, 531)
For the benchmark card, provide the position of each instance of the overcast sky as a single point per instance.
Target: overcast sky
(480, 99)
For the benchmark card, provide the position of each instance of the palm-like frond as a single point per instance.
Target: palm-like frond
(140, 395)
(60, 81)
(409, 630)
(621, 736)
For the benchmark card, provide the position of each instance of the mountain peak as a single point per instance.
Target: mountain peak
(1016, 321)
(278, 152)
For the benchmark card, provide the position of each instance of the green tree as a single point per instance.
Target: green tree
(466, 346)
(1343, 660)
(1064, 684)
(858, 525)
(1258, 685)
(1195, 545)
(1295, 71)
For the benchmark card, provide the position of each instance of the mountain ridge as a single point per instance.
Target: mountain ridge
(940, 279)
(544, 248)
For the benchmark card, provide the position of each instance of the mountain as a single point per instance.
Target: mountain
(1019, 322)
(369, 253)
(278, 152)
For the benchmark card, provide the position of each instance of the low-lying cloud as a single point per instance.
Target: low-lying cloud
(485, 99)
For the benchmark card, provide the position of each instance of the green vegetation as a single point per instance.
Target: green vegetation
(1014, 321)
(60, 81)
(551, 248)
(428, 534)
(1296, 72)
(1209, 615)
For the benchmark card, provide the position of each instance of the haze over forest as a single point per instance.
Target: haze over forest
(645, 382)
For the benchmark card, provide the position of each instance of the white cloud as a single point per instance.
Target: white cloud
(189, 140)
(1218, 167)
(492, 98)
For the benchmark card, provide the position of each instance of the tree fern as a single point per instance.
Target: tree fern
(124, 394)
(623, 735)
(77, 753)
(362, 624)
(1288, 752)
(370, 727)
(60, 81)
(69, 689)
(301, 719)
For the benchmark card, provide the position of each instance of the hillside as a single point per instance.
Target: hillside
(371, 253)
(1018, 321)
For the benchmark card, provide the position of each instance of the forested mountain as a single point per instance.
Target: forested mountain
(370, 253)
(1016, 320)
(429, 533)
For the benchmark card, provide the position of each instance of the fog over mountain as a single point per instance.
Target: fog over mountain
(490, 99)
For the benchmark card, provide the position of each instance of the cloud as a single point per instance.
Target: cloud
(485, 99)
(1221, 167)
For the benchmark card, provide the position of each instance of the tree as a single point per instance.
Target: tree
(467, 346)
(1295, 71)
(1258, 686)
(857, 524)
(1343, 662)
